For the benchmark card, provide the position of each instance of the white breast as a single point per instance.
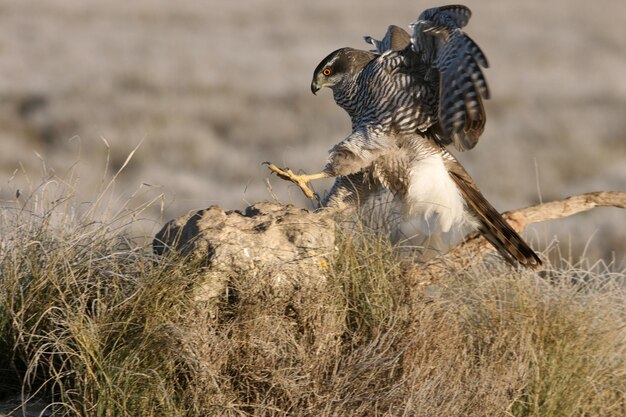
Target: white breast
(433, 199)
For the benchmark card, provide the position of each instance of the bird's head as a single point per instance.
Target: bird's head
(339, 66)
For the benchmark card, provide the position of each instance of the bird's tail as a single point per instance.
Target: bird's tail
(493, 226)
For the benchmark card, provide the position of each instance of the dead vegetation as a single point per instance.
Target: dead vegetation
(94, 325)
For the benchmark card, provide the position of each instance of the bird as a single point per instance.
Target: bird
(408, 98)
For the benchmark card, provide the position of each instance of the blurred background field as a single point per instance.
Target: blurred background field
(213, 88)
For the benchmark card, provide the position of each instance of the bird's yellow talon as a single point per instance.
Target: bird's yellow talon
(287, 174)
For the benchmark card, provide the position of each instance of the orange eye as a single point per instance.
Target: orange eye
(327, 71)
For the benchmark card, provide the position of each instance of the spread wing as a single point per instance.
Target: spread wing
(440, 44)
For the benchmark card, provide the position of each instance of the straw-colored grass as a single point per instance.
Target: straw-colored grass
(94, 324)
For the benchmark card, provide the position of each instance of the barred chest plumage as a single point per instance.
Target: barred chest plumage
(385, 95)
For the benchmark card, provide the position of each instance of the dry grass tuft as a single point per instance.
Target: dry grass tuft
(91, 321)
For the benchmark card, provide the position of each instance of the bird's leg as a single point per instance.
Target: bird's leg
(300, 180)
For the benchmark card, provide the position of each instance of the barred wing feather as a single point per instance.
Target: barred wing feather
(440, 44)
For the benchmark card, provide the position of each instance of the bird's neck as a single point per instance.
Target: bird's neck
(344, 94)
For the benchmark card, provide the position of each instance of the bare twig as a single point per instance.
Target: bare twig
(475, 247)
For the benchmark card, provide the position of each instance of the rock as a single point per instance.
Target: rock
(266, 250)
(266, 279)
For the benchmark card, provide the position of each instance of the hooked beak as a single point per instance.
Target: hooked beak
(315, 87)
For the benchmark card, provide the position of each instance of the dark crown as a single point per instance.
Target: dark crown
(345, 60)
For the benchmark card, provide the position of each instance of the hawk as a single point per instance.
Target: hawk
(408, 99)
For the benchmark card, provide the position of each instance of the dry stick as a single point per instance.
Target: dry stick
(475, 247)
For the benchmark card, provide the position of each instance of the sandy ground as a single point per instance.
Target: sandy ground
(213, 88)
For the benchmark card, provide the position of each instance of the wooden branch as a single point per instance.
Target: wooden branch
(475, 247)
